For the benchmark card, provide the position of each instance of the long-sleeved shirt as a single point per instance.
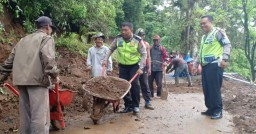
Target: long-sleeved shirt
(158, 56)
(141, 49)
(224, 41)
(32, 60)
(94, 59)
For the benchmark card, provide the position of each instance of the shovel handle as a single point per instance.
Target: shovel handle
(133, 77)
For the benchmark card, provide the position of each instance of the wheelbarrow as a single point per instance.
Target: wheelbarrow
(57, 99)
(106, 90)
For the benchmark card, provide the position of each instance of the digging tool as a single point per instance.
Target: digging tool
(164, 94)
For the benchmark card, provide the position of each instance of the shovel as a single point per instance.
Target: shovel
(164, 94)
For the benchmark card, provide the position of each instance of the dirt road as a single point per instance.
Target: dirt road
(180, 114)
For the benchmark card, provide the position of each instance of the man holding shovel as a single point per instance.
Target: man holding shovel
(32, 62)
(132, 55)
(158, 55)
(146, 71)
(96, 55)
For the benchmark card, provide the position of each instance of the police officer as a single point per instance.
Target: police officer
(213, 55)
(131, 55)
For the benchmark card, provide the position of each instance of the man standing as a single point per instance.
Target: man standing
(32, 61)
(158, 55)
(146, 71)
(213, 55)
(132, 56)
(96, 55)
(179, 65)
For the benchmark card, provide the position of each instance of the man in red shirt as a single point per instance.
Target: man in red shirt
(146, 71)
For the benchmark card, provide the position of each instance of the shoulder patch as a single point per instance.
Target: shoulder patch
(137, 37)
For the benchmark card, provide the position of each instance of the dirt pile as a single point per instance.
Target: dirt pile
(240, 100)
(109, 88)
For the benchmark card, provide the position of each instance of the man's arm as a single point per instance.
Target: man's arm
(48, 57)
(112, 48)
(148, 62)
(165, 54)
(142, 50)
(89, 61)
(224, 41)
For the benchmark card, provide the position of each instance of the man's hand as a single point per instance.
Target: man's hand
(109, 73)
(165, 64)
(3, 78)
(56, 80)
(89, 68)
(223, 64)
(104, 63)
(149, 71)
(140, 71)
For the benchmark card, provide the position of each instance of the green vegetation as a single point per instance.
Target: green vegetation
(176, 21)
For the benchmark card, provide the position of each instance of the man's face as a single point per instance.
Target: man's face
(49, 30)
(206, 25)
(99, 42)
(126, 32)
(142, 36)
(156, 41)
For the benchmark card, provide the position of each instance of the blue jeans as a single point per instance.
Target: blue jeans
(212, 77)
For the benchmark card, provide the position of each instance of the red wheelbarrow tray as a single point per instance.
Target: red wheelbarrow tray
(107, 87)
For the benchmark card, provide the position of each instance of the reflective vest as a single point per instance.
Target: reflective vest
(128, 52)
(211, 50)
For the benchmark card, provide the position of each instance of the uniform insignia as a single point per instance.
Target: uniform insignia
(132, 44)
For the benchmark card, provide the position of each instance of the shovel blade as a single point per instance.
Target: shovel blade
(164, 95)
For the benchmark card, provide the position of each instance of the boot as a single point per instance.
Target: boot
(177, 81)
(189, 81)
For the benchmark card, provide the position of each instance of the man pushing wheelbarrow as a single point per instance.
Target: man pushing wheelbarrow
(32, 62)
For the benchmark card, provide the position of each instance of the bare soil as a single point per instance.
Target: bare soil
(109, 88)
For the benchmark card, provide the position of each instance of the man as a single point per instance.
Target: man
(179, 65)
(32, 61)
(213, 55)
(178, 55)
(132, 55)
(158, 55)
(146, 71)
(96, 55)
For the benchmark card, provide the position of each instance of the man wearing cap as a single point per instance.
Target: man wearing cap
(158, 56)
(32, 62)
(146, 71)
(131, 57)
(96, 55)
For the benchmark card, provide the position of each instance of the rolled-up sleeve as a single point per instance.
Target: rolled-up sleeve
(143, 52)
(112, 48)
(225, 42)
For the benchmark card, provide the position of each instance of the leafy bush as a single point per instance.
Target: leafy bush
(73, 43)
(239, 63)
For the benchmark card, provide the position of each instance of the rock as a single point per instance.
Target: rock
(76, 72)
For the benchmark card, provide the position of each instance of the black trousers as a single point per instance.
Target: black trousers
(144, 85)
(158, 76)
(132, 99)
(212, 77)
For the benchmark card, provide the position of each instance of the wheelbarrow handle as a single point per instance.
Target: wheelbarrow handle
(133, 77)
(12, 89)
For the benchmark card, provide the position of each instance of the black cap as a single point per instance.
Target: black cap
(44, 21)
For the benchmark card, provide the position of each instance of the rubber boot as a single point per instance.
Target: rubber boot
(176, 81)
(189, 81)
